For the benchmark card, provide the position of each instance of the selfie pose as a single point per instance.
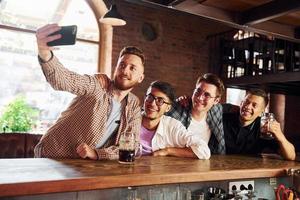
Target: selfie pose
(102, 110)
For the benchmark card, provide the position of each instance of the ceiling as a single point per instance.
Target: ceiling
(280, 18)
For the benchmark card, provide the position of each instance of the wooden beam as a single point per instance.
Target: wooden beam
(269, 11)
(176, 2)
(281, 83)
(193, 7)
(264, 79)
(226, 18)
(231, 19)
(276, 29)
(165, 2)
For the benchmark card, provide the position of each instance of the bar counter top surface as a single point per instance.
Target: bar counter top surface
(41, 175)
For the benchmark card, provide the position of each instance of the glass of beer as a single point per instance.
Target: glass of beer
(265, 122)
(129, 148)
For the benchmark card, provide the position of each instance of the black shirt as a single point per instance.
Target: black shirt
(245, 140)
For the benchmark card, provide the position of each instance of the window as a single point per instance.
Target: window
(235, 96)
(19, 67)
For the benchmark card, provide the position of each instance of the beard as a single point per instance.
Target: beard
(124, 85)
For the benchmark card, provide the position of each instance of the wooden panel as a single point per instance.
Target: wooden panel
(231, 19)
(38, 176)
(12, 145)
(269, 11)
(235, 5)
(292, 19)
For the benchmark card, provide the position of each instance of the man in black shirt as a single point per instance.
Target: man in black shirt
(242, 130)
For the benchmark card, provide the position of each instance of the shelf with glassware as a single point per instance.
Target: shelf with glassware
(256, 61)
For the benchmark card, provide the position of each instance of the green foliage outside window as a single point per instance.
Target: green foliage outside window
(18, 116)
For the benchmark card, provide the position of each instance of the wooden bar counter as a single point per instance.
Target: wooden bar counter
(41, 176)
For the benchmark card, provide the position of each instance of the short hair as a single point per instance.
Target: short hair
(166, 88)
(259, 92)
(214, 80)
(133, 50)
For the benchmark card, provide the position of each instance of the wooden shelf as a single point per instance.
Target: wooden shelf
(285, 82)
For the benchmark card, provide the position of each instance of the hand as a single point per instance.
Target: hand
(183, 101)
(42, 37)
(275, 129)
(85, 151)
(161, 152)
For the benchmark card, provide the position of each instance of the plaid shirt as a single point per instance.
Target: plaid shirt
(85, 119)
(213, 119)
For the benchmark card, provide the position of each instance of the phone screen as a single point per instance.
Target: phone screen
(68, 36)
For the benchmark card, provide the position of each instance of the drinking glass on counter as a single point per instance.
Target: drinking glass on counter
(129, 148)
(265, 122)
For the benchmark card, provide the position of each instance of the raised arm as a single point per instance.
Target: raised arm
(42, 36)
(59, 77)
(286, 149)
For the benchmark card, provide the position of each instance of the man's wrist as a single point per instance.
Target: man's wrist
(42, 60)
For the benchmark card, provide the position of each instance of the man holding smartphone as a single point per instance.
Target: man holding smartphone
(102, 109)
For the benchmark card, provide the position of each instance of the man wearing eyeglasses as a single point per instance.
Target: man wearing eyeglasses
(203, 114)
(163, 135)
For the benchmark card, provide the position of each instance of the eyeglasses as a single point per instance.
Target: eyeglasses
(159, 101)
(205, 95)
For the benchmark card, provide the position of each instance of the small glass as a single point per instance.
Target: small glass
(265, 122)
(129, 148)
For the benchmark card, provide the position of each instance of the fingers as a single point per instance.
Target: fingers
(273, 126)
(183, 100)
(47, 30)
(82, 150)
(43, 36)
(85, 151)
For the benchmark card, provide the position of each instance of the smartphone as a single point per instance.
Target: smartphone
(68, 36)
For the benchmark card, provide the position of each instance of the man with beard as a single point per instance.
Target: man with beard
(203, 114)
(163, 135)
(242, 129)
(102, 109)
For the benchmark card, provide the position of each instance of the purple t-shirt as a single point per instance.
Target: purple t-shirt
(146, 141)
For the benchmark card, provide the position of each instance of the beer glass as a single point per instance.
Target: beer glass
(129, 148)
(265, 121)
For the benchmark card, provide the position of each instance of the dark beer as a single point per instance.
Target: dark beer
(126, 156)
